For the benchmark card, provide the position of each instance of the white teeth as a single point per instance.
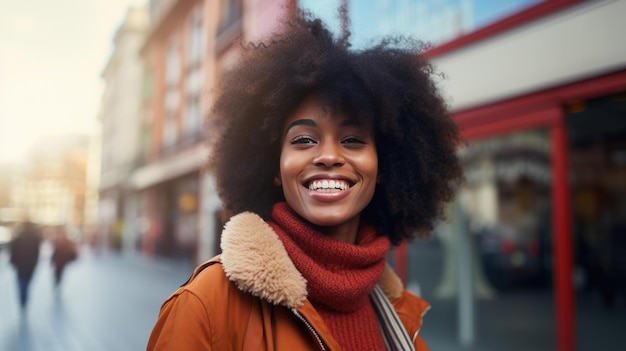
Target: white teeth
(328, 185)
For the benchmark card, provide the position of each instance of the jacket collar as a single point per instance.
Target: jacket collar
(254, 258)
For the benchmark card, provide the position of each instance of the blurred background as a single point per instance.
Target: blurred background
(102, 134)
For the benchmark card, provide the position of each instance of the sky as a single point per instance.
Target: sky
(52, 54)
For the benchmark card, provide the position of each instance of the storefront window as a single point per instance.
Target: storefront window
(436, 21)
(507, 200)
(503, 225)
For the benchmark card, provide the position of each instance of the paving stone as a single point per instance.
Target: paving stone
(106, 302)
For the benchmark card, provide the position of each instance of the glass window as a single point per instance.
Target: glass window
(148, 85)
(193, 118)
(597, 160)
(193, 84)
(501, 224)
(172, 64)
(169, 132)
(195, 43)
(231, 13)
(172, 95)
(507, 201)
(144, 142)
(436, 21)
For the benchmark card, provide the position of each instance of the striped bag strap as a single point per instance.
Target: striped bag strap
(394, 334)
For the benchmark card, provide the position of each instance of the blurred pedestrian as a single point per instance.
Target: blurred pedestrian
(326, 157)
(65, 251)
(24, 250)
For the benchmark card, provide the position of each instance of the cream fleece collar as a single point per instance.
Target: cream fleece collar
(254, 258)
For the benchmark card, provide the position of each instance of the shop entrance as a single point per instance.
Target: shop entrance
(597, 158)
(567, 291)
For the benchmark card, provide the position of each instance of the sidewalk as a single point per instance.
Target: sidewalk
(110, 301)
(107, 302)
(517, 320)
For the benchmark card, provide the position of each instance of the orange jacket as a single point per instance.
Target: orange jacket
(253, 298)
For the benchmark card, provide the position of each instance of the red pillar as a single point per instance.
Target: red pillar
(401, 262)
(562, 240)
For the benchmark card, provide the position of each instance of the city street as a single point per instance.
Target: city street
(107, 301)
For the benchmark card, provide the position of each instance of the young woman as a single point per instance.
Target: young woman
(327, 157)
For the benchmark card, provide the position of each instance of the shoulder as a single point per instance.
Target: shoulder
(202, 312)
(210, 285)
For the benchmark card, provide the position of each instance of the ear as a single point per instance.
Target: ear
(277, 180)
(379, 178)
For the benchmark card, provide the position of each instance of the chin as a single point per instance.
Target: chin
(321, 221)
(329, 221)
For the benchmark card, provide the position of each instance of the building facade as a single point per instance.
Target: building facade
(547, 136)
(119, 115)
(189, 45)
(538, 89)
(52, 188)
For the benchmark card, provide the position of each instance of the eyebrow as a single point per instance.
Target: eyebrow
(351, 122)
(302, 122)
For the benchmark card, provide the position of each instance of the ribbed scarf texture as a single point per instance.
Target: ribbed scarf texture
(339, 276)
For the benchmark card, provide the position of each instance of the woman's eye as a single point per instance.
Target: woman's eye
(302, 140)
(353, 140)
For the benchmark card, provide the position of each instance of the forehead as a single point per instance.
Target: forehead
(314, 108)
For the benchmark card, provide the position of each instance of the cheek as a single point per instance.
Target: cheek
(369, 166)
(287, 167)
(282, 168)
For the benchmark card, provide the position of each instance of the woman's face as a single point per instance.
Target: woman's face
(328, 166)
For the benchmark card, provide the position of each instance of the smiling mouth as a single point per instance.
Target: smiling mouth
(329, 185)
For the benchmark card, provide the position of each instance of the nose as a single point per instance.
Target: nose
(330, 154)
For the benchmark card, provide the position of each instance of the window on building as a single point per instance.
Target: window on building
(158, 8)
(499, 232)
(196, 37)
(169, 132)
(148, 84)
(172, 94)
(435, 21)
(172, 64)
(144, 142)
(193, 84)
(147, 119)
(231, 14)
(596, 130)
(193, 117)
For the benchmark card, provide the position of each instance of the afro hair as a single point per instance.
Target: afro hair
(390, 85)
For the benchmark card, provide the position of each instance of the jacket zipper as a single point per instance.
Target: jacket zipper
(308, 325)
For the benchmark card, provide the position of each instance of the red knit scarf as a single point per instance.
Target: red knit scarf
(340, 276)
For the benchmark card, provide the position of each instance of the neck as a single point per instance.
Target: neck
(345, 232)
